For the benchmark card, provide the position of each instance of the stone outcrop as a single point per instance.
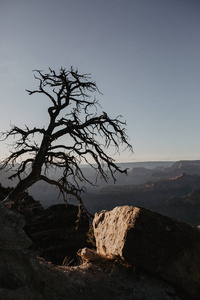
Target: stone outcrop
(28, 207)
(19, 272)
(23, 276)
(53, 230)
(158, 244)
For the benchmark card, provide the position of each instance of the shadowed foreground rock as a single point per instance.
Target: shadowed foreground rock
(20, 272)
(23, 276)
(158, 244)
(53, 230)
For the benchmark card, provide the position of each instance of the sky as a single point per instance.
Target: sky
(144, 56)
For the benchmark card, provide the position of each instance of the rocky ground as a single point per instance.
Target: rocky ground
(109, 281)
(23, 276)
(91, 281)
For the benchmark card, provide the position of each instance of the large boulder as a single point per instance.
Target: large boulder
(153, 242)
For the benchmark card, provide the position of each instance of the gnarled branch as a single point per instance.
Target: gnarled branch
(74, 115)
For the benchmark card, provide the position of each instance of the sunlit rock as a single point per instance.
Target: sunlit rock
(158, 244)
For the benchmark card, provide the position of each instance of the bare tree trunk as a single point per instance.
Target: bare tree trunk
(21, 187)
(73, 115)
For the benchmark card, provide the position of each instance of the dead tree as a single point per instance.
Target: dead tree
(74, 115)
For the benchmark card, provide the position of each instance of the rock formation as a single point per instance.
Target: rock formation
(158, 244)
(20, 273)
(190, 167)
(23, 276)
(53, 230)
(185, 208)
(151, 195)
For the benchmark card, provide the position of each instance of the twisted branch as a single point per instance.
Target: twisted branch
(72, 114)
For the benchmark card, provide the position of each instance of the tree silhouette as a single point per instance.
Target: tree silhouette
(73, 115)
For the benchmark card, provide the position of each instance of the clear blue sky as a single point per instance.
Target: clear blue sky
(143, 54)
